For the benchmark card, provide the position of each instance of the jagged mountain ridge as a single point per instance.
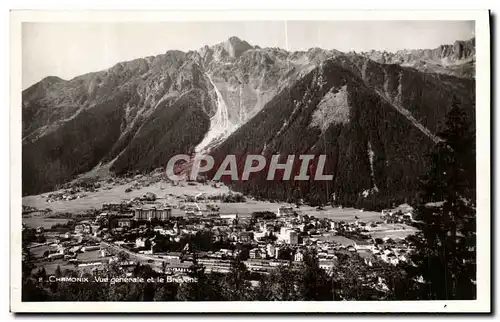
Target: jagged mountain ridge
(457, 59)
(137, 114)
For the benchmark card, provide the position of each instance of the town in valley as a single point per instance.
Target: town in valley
(215, 225)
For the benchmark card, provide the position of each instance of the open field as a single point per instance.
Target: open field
(117, 194)
(338, 239)
(394, 234)
(168, 193)
(90, 255)
(43, 221)
(50, 267)
(345, 214)
(393, 231)
(40, 250)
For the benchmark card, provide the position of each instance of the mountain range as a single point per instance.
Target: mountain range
(374, 114)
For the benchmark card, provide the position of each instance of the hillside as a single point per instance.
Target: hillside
(374, 115)
(374, 122)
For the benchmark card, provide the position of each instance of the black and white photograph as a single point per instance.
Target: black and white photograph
(187, 163)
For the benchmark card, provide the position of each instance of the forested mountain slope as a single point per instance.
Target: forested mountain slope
(373, 118)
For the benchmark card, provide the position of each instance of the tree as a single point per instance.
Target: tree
(235, 283)
(264, 289)
(446, 245)
(164, 268)
(353, 279)
(28, 235)
(40, 239)
(122, 257)
(142, 291)
(32, 292)
(284, 281)
(166, 292)
(313, 282)
(27, 266)
(200, 288)
(149, 196)
(58, 272)
(41, 273)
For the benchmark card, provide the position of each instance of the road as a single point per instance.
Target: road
(142, 258)
(223, 267)
(136, 256)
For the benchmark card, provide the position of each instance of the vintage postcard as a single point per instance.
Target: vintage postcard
(271, 161)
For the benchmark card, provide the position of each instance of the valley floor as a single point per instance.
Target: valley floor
(174, 195)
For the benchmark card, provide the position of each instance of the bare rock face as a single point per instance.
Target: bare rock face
(233, 97)
(457, 59)
(374, 122)
(235, 47)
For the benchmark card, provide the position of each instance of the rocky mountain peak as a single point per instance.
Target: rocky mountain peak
(456, 59)
(464, 49)
(230, 49)
(234, 46)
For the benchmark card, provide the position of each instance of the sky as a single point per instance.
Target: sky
(71, 49)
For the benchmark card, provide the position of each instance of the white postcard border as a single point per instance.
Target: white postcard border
(483, 106)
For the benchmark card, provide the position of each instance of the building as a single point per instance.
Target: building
(90, 248)
(173, 255)
(231, 219)
(335, 225)
(271, 250)
(78, 229)
(299, 256)
(161, 214)
(87, 229)
(364, 245)
(192, 210)
(124, 222)
(245, 236)
(258, 235)
(285, 211)
(229, 216)
(55, 256)
(277, 251)
(327, 265)
(61, 249)
(83, 228)
(118, 207)
(261, 226)
(210, 213)
(94, 228)
(140, 242)
(255, 253)
(219, 236)
(390, 258)
(289, 236)
(75, 249)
